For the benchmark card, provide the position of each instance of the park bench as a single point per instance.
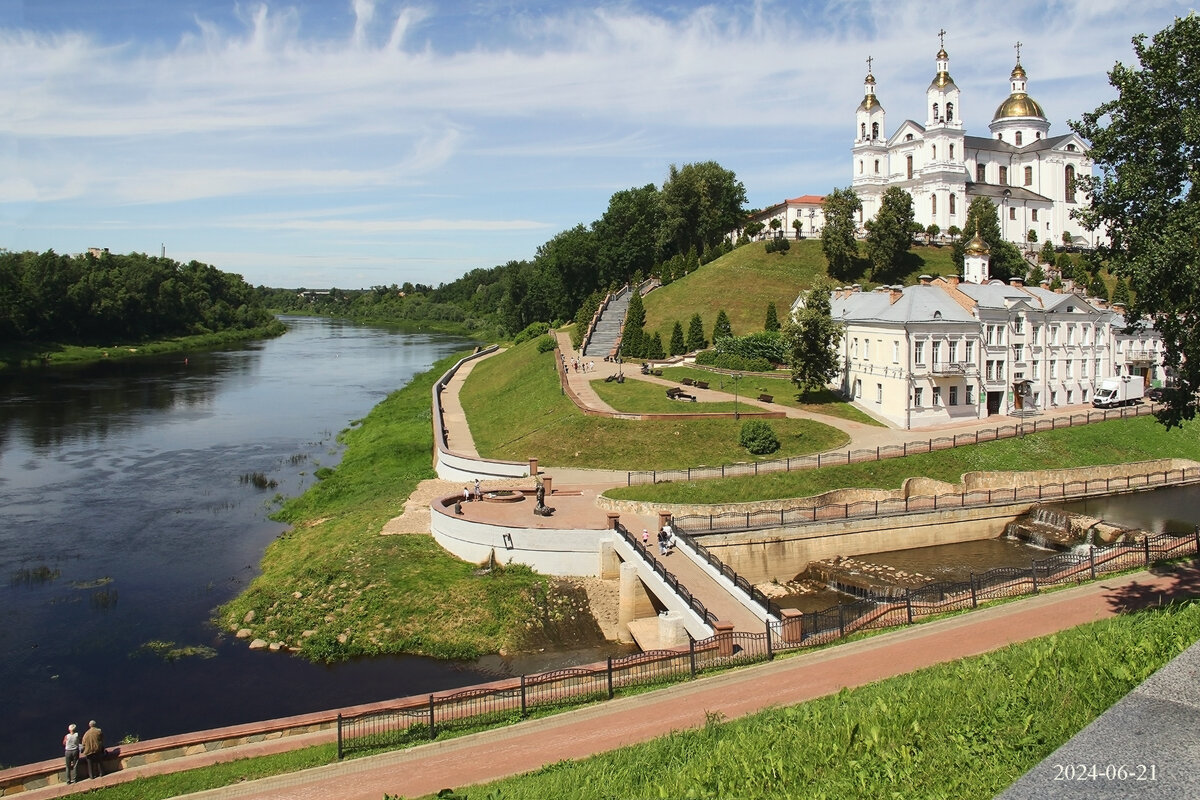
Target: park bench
(675, 393)
(686, 381)
(767, 398)
(701, 384)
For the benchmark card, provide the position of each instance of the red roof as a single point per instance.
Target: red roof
(808, 199)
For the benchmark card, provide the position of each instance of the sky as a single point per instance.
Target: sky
(355, 143)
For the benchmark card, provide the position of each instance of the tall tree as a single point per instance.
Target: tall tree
(1146, 145)
(721, 328)
(695, 334)
(811, 341)
(772, 322)
(633, 336)
(678, 347)
(1005, 261)
(837, 237)
(627, 236)
(701, 203)
(888, 236)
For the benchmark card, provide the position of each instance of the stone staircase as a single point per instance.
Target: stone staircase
(607, 330)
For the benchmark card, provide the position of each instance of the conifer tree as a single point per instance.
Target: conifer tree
(678, 347)
(772, 323)
(695, 335)
(722, 328)
(655, 348)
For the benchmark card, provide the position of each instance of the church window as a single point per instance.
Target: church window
(950, 113)
(934, 151)
(877, 166)
(952, 202)
(1071, 147)
(908, 137)
(874, 130)
(1019, 138)
(1033, 214)
(1000, 137)
(862, 131)
(1003, 176)
(981, 173)
(1029, 176)
(933, 204)
(951, 152)
(910, 168)
(935, 112)
(1012, 212)
(860, 167)
(1070, 184)
(1038, 135)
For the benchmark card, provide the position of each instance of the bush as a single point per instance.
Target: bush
(532, 331)
(779, 245)
(546, 344)
(758, 437)
(711, 358)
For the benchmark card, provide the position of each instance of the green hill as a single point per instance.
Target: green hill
(745, 281)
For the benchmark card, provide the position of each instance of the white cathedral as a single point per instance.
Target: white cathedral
(1029, 175)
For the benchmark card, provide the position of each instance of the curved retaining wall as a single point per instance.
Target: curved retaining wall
(552, 551)
(459, 467)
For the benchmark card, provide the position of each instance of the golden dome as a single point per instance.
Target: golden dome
(870, 79)
(942, 80)
(1019, 104)
(977, 246)
(869, 102)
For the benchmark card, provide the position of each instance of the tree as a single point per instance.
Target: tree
(772, 323)
(889, 234)
(797, 225)
(678, 347)
(627, 236)
(931, 232)
(1031, 236)
(701, 203)
(721, 328)
(1006, 261)
(633, 344)
(954, 232)
(695, 335)
(775, 227)
(1146, 196)
(1096, 288)
(1121, 292)
(811, 341)
(1035, 276)
(1046, 254)
(837, 237)
(654, 348)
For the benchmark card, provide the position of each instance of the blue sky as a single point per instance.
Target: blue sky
(352, 143)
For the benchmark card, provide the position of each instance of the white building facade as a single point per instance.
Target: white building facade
(1029, 175)
(949, 349)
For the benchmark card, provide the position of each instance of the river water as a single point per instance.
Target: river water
(125, 519)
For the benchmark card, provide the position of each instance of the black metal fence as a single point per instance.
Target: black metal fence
(517, 698)
(668, 577)
(696, 524)
(891, 451)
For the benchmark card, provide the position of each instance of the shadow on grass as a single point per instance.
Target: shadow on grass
(1183, 583)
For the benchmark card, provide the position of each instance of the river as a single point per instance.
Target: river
(126, 517)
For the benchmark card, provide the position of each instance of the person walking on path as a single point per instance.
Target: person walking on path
(93, 750)
(71, 746)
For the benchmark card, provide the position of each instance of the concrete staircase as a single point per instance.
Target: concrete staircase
(608, 327)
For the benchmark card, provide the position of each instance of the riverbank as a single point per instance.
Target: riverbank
(332, 587)
(42, 354)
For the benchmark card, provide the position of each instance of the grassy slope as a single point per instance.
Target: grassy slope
(517, 411)
(962, 730)
(1115, 442)
(351, 579)
(745, 281)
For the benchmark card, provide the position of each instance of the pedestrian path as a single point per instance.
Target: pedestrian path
(529, 745)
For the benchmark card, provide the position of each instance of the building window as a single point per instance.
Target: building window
(1018, 353)
(950, 118)
(1029, 176)
(918, 394)
(970, 395)
(953, 395)
(854, 350)
(1068, 371)
(933, 204)
(1070, 335)
(862, 131)
(1012, 212)
(1070, 396)
(981, 173)
(937, 352)
(935, 112)
(1019, 138)
(933, 156)
(952, 203)
(1019, 325)
(910, 167)
(874, 130)
(953, 352)
(908, 137)
(1069, 180)
(970, 354)
(895, 352)
(937, 396)
(877, 166)
(858, 389)
(1035, 370)
(860, 167)
(867, 349)
(1033, 214)
(1004, 176)
(1053, 370)
(1083, 368)
(879, 393)
(918, 352)
(951, 152)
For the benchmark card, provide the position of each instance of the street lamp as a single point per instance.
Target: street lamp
(737, 376)
(812, 226)
(1004, 215)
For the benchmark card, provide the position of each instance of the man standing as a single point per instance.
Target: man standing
(93, 750)
(71, 746)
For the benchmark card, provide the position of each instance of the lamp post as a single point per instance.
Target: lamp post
(737, 376)
(812, 225)
(1004, 215)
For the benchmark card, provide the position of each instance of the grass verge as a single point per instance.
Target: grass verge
(1113, 442)
(518, 411)
(966, 729)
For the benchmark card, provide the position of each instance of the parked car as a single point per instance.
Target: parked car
(1155, 395)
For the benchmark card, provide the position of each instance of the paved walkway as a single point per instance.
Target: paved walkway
(529, 745)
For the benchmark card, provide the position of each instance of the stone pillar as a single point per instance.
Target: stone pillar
(663, 518)
(532, 467)
(610, 563)
(633, 601)
(793, 625)
(723, 631)
(548, 482)
(671, 632)
(613, 519)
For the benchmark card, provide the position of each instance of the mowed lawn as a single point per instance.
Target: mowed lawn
(516, 411)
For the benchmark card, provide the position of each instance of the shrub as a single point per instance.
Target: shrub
(532, 331)
(758, 437)
(712, 358)
(546, 344)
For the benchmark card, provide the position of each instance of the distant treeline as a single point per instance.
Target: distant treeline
(89, 299)
(667, 232)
